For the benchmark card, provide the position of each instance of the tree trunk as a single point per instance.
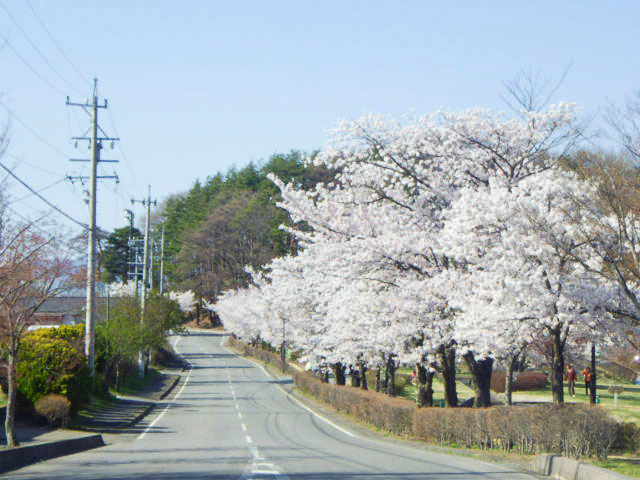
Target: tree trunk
(283, 357)
(447, 357)
(9, 421)
(481, 379)
(594, 386)
(385, 378)
(378, 379)
(508, 379)
(557, 366)
(355, 376)
(338, 370)
(424, 378)
(363, 377)
(391, 376)
(198, 313)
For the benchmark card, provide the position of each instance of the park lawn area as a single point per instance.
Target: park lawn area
(133, 384)
(623, 466)
(628, 407)
(409, 392)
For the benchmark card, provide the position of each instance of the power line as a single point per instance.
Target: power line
(41, 190)
(124, 156)
(57, 174)
(43, 198)
(32, 222)
(8, 43)
(38, 50)
(56, 44)
(36, 134)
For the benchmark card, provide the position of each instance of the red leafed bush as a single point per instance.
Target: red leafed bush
(55, 408)
(522, 381)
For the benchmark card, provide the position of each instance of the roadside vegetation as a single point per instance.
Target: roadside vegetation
(53, 380)
(577, 430)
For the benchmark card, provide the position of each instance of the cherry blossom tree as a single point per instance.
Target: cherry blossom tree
(441, 237)
(186, 300)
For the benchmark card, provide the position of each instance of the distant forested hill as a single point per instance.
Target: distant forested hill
(228, 221)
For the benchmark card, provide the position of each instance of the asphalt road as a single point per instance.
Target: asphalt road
(230, 420)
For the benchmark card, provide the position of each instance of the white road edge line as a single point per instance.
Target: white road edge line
(166, 409)
(346, 432)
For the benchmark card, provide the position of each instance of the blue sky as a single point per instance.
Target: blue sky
(196, 86)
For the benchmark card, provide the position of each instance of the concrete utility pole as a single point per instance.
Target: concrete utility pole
(145, 265)
(162, 261)
(152, 246)
(95, 143)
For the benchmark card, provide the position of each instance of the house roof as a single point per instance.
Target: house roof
(67, 305)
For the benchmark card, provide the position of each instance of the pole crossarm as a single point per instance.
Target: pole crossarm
(95, 143)
(99, 139)
(88, 160)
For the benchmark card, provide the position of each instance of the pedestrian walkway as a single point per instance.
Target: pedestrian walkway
(118, 419)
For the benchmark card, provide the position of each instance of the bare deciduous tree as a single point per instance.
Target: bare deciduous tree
(33, 266)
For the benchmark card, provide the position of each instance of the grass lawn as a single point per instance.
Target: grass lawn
(627, 467)
(628, 410)
(133, 384)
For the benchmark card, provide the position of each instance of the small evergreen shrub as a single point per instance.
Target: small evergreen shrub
(55, 408)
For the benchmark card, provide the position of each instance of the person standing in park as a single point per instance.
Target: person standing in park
(588, 376)
(572, 376)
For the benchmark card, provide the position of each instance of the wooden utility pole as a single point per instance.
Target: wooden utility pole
(95, 143)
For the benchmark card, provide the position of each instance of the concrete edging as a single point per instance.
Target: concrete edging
(171, 387)
(563, 468)
(11, 459)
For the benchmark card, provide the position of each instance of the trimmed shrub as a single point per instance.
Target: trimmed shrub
(522, 381)
(628, 437)
(575, 431)
(571, 430)
(55, 408)
(50, 363)
(391, 414)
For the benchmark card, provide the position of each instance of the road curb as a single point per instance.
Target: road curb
(563, 468)
(14, 458)
(171, 387)
(141, 415)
